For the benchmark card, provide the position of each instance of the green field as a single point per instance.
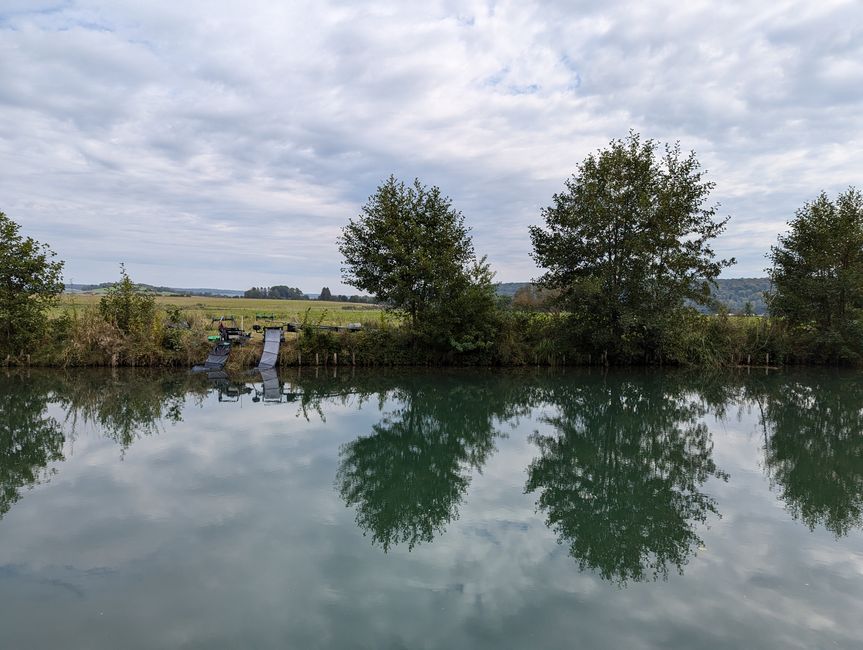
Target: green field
(244, 309)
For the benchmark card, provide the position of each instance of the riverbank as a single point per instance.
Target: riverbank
(81, 337)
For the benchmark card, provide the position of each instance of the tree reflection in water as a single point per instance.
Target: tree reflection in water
(30, 439)
(127, 405)
(620, 478)
(407, 478)
(813, 446)
(121, 406)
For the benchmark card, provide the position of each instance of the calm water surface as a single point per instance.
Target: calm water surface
(431, 510)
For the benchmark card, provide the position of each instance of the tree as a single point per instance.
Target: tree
(286, 293)
(817, 272)
(411, 249)
(628, 242)
(325, 294)
(30, 281)
(131, 310)
(533, 298)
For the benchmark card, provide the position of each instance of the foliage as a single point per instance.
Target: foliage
(817, 273)
(283, 292)
(736, 293)
(411, 249)
(279, 292)
(732, 293)
(325, 294)
(30, 281)
(131, 311)
(313, 339)
(464, 323)
(531, 297)
(628, 242)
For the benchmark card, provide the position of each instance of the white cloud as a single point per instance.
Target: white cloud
(167, 134)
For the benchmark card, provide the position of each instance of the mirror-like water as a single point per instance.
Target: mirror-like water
(426, 510)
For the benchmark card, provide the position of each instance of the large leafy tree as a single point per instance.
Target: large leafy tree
(817, 271)
(30, 281)
(628, 242)
(411, 249)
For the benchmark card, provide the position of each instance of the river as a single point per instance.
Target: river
(442, 509)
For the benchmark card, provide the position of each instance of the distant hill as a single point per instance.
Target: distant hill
(509, 288)
(734, 293)
(100, 288)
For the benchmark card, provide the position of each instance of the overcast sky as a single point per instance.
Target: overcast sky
(224, 144)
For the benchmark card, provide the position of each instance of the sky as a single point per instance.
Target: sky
(225, 144)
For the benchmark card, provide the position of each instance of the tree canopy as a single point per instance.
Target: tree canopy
(30, 281)
(817, 272)
(279, 291)
(628, 242)
(410, 247)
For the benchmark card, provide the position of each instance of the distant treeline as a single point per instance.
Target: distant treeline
(279, 292)
(741, 296)
(282, 292)
(139, 286)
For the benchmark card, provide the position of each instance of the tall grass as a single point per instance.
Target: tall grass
(81, 336)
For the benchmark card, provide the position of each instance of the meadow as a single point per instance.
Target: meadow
(246, 309)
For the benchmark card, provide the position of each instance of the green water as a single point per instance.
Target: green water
(431, 510)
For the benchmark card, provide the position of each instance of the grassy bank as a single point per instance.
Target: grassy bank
(77, 335)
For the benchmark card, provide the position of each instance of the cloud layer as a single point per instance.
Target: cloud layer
(217, 144)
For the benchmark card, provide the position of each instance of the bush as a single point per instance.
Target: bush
(130, 310)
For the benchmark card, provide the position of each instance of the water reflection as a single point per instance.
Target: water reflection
(122, 406)
(407, 478)
(125, 406)
(29, 439)
(620, 479)
(813, 446)
(622, 461)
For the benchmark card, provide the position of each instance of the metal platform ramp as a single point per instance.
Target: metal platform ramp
(216, 359)
(272, 340)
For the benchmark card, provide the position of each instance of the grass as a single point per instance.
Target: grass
(244, 309)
